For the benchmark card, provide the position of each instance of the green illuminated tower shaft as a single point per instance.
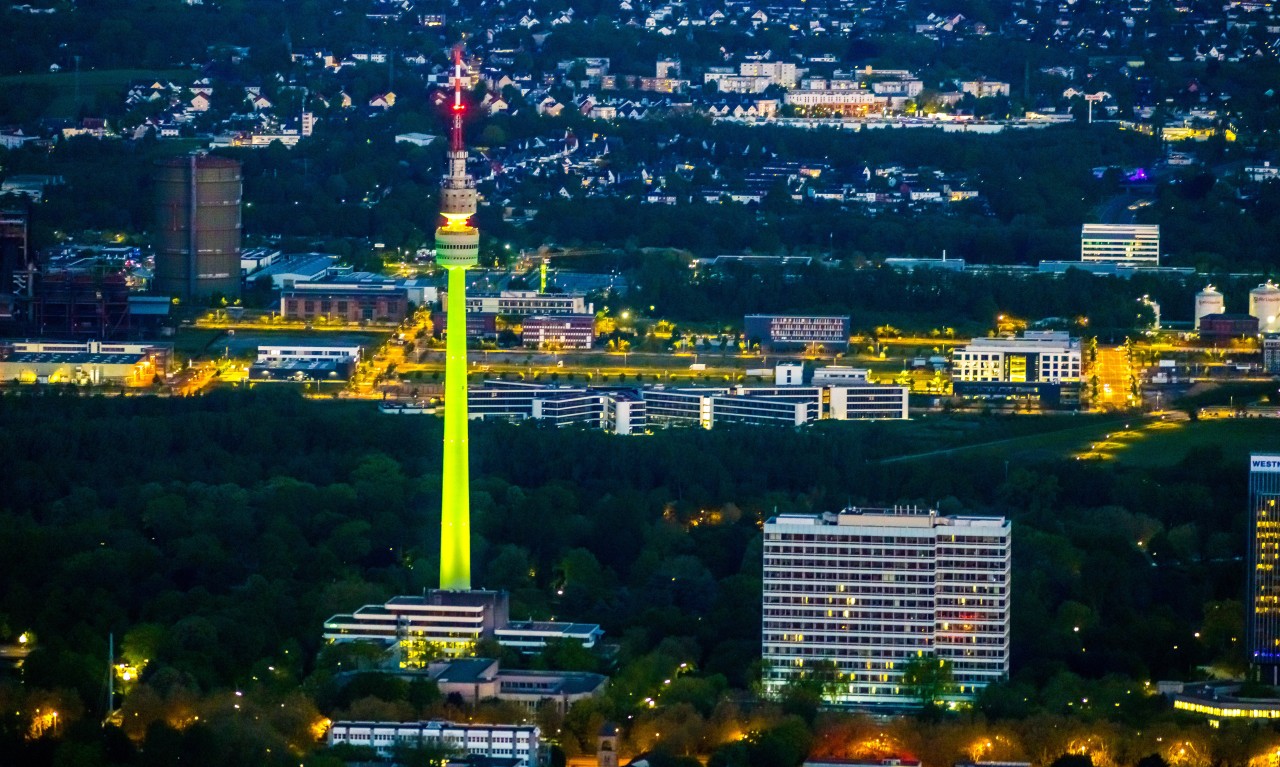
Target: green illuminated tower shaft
(455, 506)
(457, 247)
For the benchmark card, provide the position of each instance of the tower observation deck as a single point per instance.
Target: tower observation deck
(457, 247)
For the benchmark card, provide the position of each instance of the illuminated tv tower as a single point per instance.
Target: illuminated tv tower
(457, 247)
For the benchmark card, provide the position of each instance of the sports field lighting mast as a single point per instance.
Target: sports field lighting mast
(457, 247)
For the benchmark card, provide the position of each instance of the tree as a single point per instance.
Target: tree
(928, 679)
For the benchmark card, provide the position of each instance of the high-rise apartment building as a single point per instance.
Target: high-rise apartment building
(1264, 565)
(868, 590)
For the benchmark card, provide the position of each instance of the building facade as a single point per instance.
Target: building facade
(497, 741)
(345, 302)
(566, 331)
(1048, 356)
(1271, 355)
(775, 331)
(869, 590)
(447, 624)
(1128, 243)
(1263, 630)
(525, 303)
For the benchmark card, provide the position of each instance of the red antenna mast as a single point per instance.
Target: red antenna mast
(455, 139)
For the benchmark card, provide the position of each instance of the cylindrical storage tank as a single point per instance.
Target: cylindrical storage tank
(1209, 301)
(198, 227)
(1264, 303)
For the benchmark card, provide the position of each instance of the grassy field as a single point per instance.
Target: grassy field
(60, 87)
(1168, 445)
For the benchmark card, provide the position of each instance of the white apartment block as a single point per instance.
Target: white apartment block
(1035, 356)
(868, 590)
(1123, 243)
(519, 742)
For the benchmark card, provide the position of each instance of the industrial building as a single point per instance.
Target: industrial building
(1263, 618)
(1223, 328)
(291, 270)
(871, 590)
(1124, 243)
(776, 331)
(1271, 355)
(346, 300)
(565, 331)
(87, 363)
(198, 227)
(516, 742)
(1264, 304)
(17, 261)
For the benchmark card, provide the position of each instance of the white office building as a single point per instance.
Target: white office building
(499, 741)
(1048, 356)
(1121, 243)
(295, 353)
(868, 402)
(868, 590)
(524, 303)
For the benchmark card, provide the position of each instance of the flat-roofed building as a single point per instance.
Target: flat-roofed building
(781, 331)
(448, 624)
(868, 402)
(1126, 243)
(1271, 355)
(524, 303)
(495, 741)
(1263, 619)
(564, 331)
(346, 301)
(1048, 356)
(477, 679)
(87, 363)
(871, 590)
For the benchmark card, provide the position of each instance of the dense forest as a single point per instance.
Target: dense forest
(213, 536)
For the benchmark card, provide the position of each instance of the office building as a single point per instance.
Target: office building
(1040, 366)
(1050, 356)
(566, 331)
(868, 402)
(1125, 243)
(477, 679)
(870, 590)
(302, 364)
(1271, 355)
(524, 303)
(1263, 617)
(774, 332)
(447, 624)
(517, 742)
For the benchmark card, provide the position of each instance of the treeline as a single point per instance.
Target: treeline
(213, 536)
(926, 298)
